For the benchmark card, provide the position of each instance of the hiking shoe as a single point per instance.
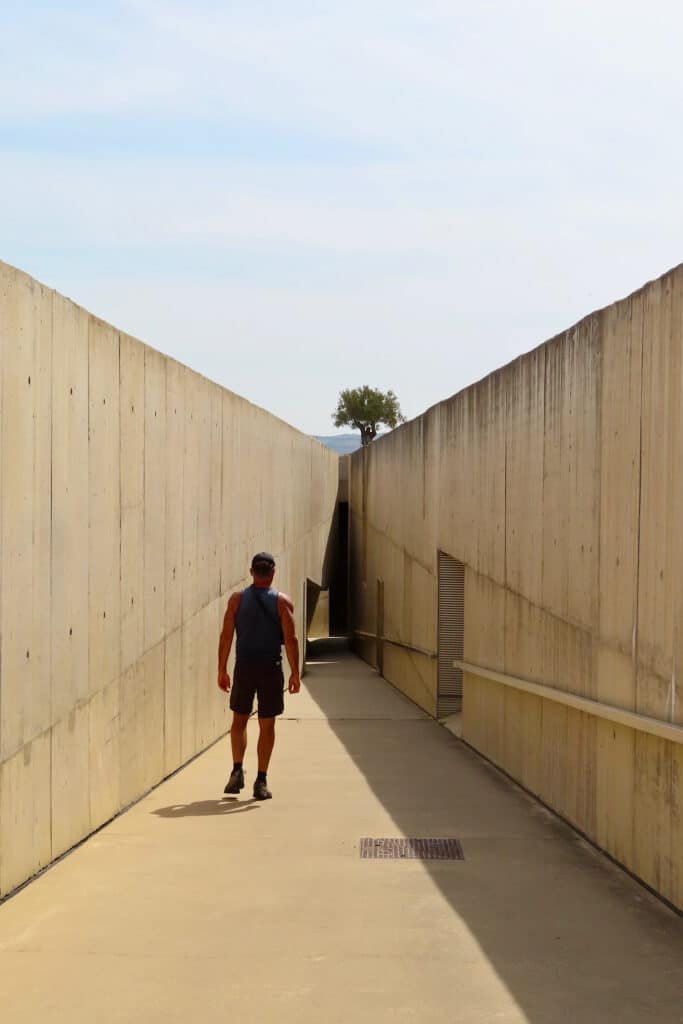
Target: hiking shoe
(261, 791)
(235, 782)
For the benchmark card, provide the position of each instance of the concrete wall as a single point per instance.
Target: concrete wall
(558, 481)
(132, 495)
(320, 621)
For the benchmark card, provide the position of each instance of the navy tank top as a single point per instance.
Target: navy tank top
(259, 633)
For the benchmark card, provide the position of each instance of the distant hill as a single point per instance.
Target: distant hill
(342, 444)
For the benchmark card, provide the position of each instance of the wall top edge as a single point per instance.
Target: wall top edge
(8, 269)
(501, 370)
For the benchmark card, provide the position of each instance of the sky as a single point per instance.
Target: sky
(298, 197)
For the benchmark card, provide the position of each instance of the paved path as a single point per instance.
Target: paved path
(195, 908)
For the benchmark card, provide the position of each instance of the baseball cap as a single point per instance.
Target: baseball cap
(263, 563)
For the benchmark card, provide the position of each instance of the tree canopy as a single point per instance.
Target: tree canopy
(365, 409)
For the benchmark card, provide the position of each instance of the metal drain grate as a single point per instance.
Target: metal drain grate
(410, 849)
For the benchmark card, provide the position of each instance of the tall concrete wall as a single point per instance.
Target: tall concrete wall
(558, 481)
(132, 495)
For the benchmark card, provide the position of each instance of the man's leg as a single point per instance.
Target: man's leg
(270, 704)
(238, 741)
(266, 742)
(238, 736)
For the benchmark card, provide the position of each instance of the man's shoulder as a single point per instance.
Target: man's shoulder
(234, 599)
(285, 599)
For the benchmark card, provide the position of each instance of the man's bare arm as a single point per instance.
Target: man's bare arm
(285, 609)
(225, 642)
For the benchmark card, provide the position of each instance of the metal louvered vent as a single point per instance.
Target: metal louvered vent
(451, 634)
(410, 849)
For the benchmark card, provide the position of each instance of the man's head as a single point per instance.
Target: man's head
(263, 567)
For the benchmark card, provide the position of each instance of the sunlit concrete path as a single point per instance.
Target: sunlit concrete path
(192, 907)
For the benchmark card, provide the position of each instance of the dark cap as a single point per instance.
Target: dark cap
(263, 563)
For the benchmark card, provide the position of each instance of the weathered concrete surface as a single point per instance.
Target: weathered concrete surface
(557, 482)
(133, 493)
(196, 907)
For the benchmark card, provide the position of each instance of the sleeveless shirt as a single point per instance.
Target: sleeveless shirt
(257, 623)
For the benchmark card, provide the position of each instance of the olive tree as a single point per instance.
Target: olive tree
(365, 409)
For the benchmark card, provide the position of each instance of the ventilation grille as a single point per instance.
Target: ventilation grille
(410, 849)
(451, 634)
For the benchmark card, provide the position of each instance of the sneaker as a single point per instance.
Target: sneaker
(261, 791)
(235, 782)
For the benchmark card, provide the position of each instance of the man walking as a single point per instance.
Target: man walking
(263, 620)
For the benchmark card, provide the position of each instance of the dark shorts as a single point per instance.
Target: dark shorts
(263, 678)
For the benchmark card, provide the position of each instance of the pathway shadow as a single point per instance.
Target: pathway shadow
(204, 808)
(570, 935)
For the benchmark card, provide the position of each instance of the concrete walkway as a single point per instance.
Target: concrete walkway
(192, 907)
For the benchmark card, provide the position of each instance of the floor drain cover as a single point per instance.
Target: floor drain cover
(411, 849)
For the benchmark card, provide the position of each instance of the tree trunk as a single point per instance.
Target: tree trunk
(367, 435)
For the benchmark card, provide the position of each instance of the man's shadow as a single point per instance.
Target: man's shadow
(202, 808)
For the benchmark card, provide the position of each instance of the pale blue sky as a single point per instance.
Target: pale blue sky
(298, 197)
